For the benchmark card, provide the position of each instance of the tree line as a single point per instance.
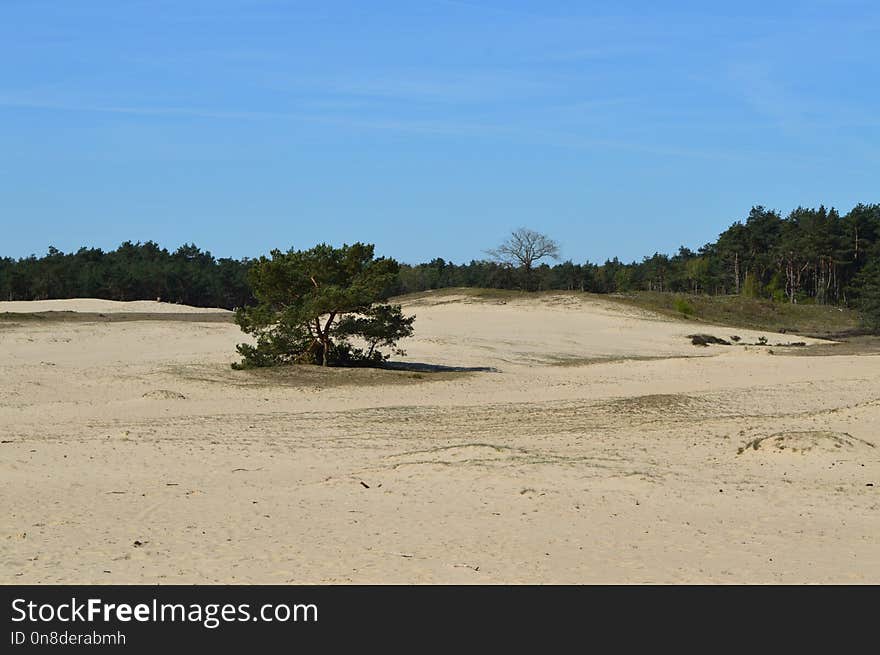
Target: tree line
(810, 255)
(133, 271)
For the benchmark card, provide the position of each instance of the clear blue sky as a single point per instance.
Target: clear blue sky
(430, 127)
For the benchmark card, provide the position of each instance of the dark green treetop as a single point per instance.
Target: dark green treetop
(311, 303)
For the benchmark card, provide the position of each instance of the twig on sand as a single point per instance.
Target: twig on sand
(467, 566)
(248, 470)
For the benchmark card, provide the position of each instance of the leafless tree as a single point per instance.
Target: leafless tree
(525, 248)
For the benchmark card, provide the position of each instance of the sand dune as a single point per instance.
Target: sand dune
(98, 306)
(561, 439)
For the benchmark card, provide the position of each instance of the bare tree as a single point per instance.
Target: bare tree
(524, 248)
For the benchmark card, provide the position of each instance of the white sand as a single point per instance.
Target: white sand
(97, 306)
(564, 464)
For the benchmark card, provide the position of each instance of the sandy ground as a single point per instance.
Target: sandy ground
(587, 443)
(96, 305)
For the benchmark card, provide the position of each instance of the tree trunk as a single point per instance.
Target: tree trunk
(736, 271)
(325, 339)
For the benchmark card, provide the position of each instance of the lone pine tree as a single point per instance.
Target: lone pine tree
(311, 305)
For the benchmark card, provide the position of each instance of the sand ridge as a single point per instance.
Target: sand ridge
(98, 306)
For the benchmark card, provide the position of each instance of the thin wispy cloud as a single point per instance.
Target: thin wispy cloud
(455, 88)
(520, 134)
(141, 111)
(596, 52)
(434, 127)
(486, 8)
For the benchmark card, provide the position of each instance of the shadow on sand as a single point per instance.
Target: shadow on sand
(421, 367)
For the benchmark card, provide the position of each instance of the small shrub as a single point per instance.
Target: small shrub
(751, 287)
(706, 339)
(682, 306)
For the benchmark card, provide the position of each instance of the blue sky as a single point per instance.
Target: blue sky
(431, 128)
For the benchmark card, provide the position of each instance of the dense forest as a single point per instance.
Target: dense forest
(134, 271)
(810, 255)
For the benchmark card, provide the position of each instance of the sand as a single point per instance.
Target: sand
(98, 306)
(568, 440)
